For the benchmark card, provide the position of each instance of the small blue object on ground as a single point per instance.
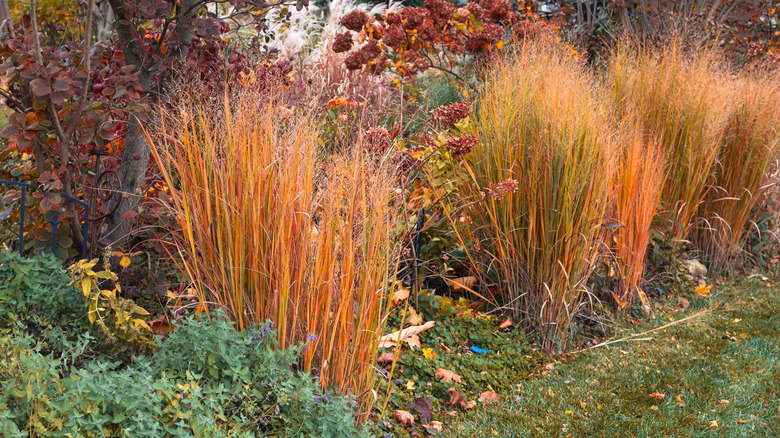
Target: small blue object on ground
(478, 350)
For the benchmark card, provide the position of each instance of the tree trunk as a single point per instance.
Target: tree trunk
(135, 155)
(135, 159)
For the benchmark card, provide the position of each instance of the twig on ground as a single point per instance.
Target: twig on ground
(631, 337)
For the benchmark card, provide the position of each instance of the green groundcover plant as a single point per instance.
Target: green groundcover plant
(205, 380)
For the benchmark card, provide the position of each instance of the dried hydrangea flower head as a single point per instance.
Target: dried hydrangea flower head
(342, 42)
(355, 20)
(501, 188)
(377, 141)
(459, 146)
(447, 116)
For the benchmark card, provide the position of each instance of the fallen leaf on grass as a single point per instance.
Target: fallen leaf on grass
(703, 290)
(550, 366)
(403, 417)
(714, 423)
(413, 341)
(408, 335)
(423, 407)
(456, 398)
(507, 323)
(412, 317)
(399, 296)
(448, 375)
(657, 395)
(741, 421)
(466, 405)
(489, 397)
(428, 353)
(684, 303)
(434, 427)
(385, 357)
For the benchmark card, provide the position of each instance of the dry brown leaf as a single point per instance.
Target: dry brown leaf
(550, 366)
(385, 357)
(392, 339)
(412, 317)
(657, 395)
(461, 283)
(447, 375)
(489, 397)
(436, 426)
(466, 405)
(403, 417)
(413, 341)
(456, 398)
(399, 296)
(684, 303)
(507, 323)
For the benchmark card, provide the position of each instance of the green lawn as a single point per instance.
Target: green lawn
(719, 376)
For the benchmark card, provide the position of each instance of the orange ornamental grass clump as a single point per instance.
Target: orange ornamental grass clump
(678, 99)
(751, 141)
(543, 169)
(271, 232)
(639, 182)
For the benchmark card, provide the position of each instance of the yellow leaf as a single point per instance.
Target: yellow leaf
(86, 286)
(92, 313)
(428, 353)
(500, 45)
(714, 423)
(703, 290)
(410, 385)
(124, 262)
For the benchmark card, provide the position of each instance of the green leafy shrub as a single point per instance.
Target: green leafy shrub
(35, 286)
(205, 380)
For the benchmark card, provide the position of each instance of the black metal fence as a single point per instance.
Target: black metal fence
(54, 221)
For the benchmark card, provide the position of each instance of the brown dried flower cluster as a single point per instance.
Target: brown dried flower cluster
(447, 116)
(367, 53)
(355, 20)
(461, 145)
(377, 141)
(530, 30)
(342, 42)
(407, 162)
(427, 141)
(484, 39)
(498, 10)
(501, 188)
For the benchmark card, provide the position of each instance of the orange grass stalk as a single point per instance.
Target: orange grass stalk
(639, 182)
(269, 232)
(679, 100)
(751, 141)
(545, 160)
